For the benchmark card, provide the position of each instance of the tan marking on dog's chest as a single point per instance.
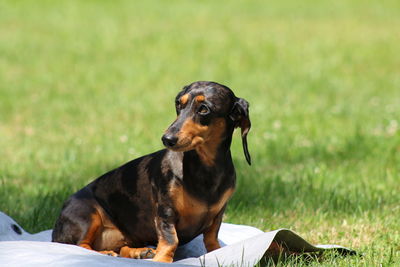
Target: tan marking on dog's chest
(192, 211)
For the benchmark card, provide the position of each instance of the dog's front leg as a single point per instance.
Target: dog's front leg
(167, 238)
(210, 235)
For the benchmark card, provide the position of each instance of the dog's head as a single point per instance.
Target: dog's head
(207, 113)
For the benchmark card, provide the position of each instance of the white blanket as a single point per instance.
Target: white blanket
(241, 246)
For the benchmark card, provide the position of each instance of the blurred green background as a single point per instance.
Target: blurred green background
(88, 85)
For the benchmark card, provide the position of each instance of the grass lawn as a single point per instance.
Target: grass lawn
(88, 85)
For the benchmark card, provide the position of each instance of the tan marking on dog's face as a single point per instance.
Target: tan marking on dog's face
(184, 99)
(205, 139)
(200, 98)
(190, 135)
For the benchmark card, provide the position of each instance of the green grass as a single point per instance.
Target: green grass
(88, 85)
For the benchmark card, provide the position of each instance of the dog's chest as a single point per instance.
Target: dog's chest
(195, 214)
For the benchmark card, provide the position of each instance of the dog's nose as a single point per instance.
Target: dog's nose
(169, 140)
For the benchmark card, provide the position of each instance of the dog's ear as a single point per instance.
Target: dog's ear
(241, 118)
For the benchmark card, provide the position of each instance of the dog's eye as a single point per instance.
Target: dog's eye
(203, 110)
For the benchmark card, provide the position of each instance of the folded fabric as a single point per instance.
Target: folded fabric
(241, 246)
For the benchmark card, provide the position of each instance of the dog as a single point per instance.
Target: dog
(169, 197)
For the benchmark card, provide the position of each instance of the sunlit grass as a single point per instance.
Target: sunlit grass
(88, 85)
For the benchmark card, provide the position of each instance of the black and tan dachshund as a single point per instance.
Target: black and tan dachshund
(169, 197)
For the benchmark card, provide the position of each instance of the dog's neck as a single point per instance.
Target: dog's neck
(215, 151)
(208, 181)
